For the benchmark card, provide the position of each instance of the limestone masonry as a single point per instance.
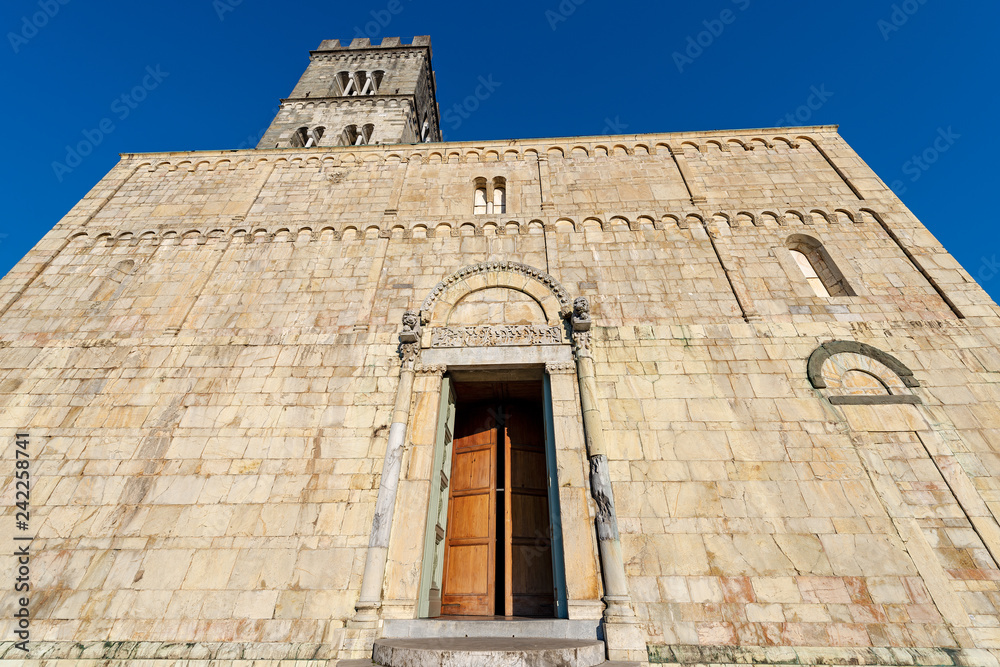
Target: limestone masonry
(765, 397)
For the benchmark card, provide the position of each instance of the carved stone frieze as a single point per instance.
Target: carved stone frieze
(438, 370)
(560, 368)
(496, 336)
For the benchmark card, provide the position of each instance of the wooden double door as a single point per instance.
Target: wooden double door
(498, 550)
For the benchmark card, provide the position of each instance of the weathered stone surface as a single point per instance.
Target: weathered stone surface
(204, 354)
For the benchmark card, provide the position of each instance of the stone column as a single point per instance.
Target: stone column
(378, 544)
(623, 635)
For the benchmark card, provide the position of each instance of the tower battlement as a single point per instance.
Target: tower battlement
(365, 43)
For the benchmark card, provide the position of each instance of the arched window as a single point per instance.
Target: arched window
(425, 131)
(818, 267)
(366, 135)
(349, 137)
(499, 195)
(372, 81)
(344, 83)
(479, 203)
(810, 273)
(313, 136)
(300, 138)
(490, 197)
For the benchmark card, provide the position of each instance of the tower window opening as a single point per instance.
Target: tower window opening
(344, 82)
(367, 83)
(372, 82)
(300, 138)
(425, 132)
(315, 135)
(349, 137)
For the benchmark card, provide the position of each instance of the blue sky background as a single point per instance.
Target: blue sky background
(896, 76)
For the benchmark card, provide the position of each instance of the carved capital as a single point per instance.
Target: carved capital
(409, 353)
(581, 344)
(560, 368)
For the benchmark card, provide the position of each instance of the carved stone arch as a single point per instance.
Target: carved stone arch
(552, 297)
(833, 363)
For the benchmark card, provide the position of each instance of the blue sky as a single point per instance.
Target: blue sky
(895, 75)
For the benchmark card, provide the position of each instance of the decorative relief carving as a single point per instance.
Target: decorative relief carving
(580, 319)
(409, 352)
(560, 368)
(581, 344)
(409, 340)
(495, 267)
(411, 328)
(438, 370)
(495, 336)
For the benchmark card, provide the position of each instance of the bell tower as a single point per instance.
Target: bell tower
(358, 95)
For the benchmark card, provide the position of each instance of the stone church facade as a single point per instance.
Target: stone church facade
(709, 397)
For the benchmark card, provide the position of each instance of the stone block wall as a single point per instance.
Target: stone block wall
(204, 353)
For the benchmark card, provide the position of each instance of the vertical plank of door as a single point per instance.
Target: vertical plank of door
(508, 524)
(492, 568)
(471, 537)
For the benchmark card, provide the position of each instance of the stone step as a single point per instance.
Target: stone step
(521, 628)
(369, 663)
(488, 652)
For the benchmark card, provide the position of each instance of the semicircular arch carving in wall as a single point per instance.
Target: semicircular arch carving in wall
(553, 298)
(859, 374)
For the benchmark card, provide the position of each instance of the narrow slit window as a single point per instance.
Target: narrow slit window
(480, 203)
(499, 195)
(810, 273)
